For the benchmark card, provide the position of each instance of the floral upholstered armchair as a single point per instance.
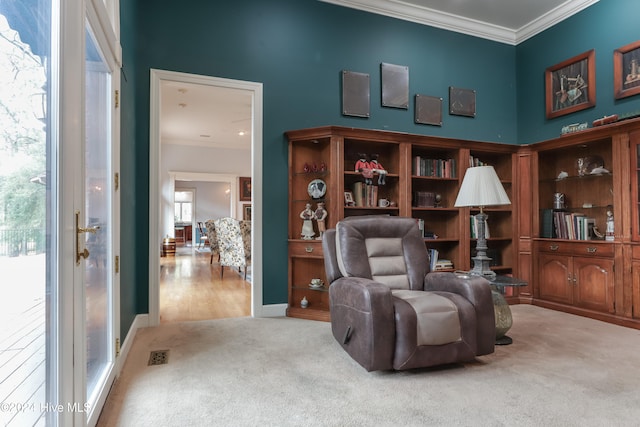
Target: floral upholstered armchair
(212, 238)
(231, 245)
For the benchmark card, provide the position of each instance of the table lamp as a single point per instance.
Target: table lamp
(481, 187)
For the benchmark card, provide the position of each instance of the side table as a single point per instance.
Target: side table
(504, 319)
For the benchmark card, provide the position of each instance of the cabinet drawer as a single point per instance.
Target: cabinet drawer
(311, 248)
(636, 252)
(577, 248)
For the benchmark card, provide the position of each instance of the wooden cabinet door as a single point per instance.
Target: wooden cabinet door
(594, 283)
(555, 278)
(635, 273)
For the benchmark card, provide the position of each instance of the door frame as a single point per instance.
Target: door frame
(156, 78)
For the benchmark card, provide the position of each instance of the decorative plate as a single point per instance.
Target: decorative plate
(317, 188)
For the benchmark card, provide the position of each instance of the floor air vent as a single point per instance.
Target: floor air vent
(159, 357)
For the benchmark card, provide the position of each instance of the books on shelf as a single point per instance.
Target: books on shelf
(572, 225)
(440, 168)
(443, 264)
(474, 161)
(474, 228)
(438, 264)
(433, 259)
(365, 195)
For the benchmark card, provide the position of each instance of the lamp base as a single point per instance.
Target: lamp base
(481, 267)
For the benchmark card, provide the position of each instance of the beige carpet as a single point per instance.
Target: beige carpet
(561, 370)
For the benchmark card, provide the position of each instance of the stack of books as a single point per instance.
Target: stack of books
(443, 264)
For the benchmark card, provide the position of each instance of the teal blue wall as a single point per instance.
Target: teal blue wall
(134, 188)
(605, 26)
(297, 49)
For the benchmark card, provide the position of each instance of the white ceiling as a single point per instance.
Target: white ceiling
(214, 116)
(506, 21)
(208, 116)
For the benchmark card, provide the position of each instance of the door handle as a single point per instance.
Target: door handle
(80, 230)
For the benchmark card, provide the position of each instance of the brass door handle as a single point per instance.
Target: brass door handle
(80, 230)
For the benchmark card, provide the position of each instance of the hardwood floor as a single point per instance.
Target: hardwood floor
(191, 288)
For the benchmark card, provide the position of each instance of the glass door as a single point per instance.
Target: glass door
(58, 212)
(97, 220)
(28, 232)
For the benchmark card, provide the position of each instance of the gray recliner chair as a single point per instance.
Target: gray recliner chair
(388, 311)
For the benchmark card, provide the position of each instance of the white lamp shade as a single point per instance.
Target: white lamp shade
(481, 187)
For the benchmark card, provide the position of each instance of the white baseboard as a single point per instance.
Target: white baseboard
(140, 321)
(274, 310)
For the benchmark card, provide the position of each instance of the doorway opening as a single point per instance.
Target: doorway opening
(159, 182)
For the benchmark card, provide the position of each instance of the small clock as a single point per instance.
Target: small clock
(317, 188)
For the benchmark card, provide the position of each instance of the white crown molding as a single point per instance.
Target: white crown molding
(435, 18)
(550, 19)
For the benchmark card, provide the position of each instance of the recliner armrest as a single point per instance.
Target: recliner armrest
(362, 321)
(361, 294)
(476, 289)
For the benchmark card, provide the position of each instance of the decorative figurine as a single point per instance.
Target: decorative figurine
(306, 168)
(609, 234)
(378, 168)
(363, 166)
(321, 215)
(307, 216)
(304, 303)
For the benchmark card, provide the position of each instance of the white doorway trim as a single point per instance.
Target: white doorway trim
(155, 235)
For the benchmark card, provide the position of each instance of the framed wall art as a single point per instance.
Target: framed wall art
(246, 211)
(626, 70)
(462, 102)
(428, 110)
(570, 86)
(395, 85)
(245, 188)
(355, 94)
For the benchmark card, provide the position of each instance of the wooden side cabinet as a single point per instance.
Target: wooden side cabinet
(305, 263)
(580, 275)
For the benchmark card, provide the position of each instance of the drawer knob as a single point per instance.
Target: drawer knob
(554, 247)
(592, 250)
(308, 249)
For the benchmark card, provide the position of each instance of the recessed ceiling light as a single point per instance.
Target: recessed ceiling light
(182, 105)
(182, 90)
(205, 136)
(241, 133)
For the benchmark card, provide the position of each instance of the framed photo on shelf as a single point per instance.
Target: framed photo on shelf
(348, 199)
(245, 188)
(570, 86)
(246, 211)
(626, 70)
